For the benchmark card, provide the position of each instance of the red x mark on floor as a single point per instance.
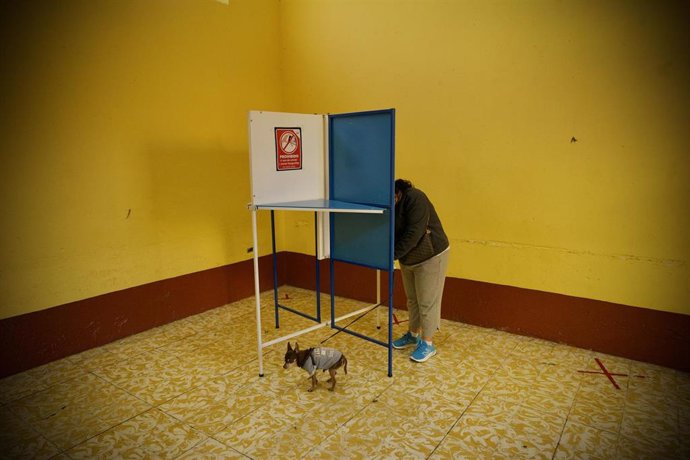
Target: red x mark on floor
(396, 320)
(608, 374)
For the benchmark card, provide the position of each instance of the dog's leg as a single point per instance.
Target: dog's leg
(313, 383)
(332, 379)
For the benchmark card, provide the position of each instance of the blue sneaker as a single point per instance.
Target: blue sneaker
(405, 341)
(423, 352)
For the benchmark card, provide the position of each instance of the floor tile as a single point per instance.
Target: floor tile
(211, 449)
(152, 434)
(583, 442)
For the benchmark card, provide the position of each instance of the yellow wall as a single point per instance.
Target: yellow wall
(488, 96)
(124, 141)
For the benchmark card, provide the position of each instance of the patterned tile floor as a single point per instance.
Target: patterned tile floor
(191, 389)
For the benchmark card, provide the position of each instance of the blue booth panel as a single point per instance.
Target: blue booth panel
(361, 164)
(362, 239)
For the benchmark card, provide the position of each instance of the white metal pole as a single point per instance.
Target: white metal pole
(378, 297)
(257, 293)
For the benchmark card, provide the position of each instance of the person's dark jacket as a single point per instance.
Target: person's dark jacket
(412, 213)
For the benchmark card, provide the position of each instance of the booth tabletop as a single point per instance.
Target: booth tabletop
(322, 205)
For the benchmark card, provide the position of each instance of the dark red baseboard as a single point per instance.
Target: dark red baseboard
(641, 334)
(646, 335)
(40, 337)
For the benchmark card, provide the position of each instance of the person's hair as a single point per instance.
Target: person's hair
(401, 185)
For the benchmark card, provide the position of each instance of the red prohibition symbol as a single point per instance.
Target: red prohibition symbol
(288, 148)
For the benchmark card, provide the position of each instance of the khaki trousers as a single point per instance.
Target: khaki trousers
(423, 285)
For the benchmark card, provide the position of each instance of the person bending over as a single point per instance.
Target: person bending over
(422, 248)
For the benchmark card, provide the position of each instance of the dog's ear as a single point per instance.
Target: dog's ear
(296, 346)
(289, 347)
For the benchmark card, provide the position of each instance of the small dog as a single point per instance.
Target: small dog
(328, 359)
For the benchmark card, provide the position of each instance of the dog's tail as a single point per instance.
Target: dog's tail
(345, 364)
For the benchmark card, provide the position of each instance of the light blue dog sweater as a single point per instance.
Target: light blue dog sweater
(321, 358)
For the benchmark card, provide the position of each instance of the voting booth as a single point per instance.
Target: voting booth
(341, 167)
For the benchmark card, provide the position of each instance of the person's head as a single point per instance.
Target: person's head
(401, 186)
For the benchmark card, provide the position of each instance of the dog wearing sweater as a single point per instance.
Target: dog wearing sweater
(326, 359)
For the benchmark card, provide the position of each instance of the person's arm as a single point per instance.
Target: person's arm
(416, 211)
